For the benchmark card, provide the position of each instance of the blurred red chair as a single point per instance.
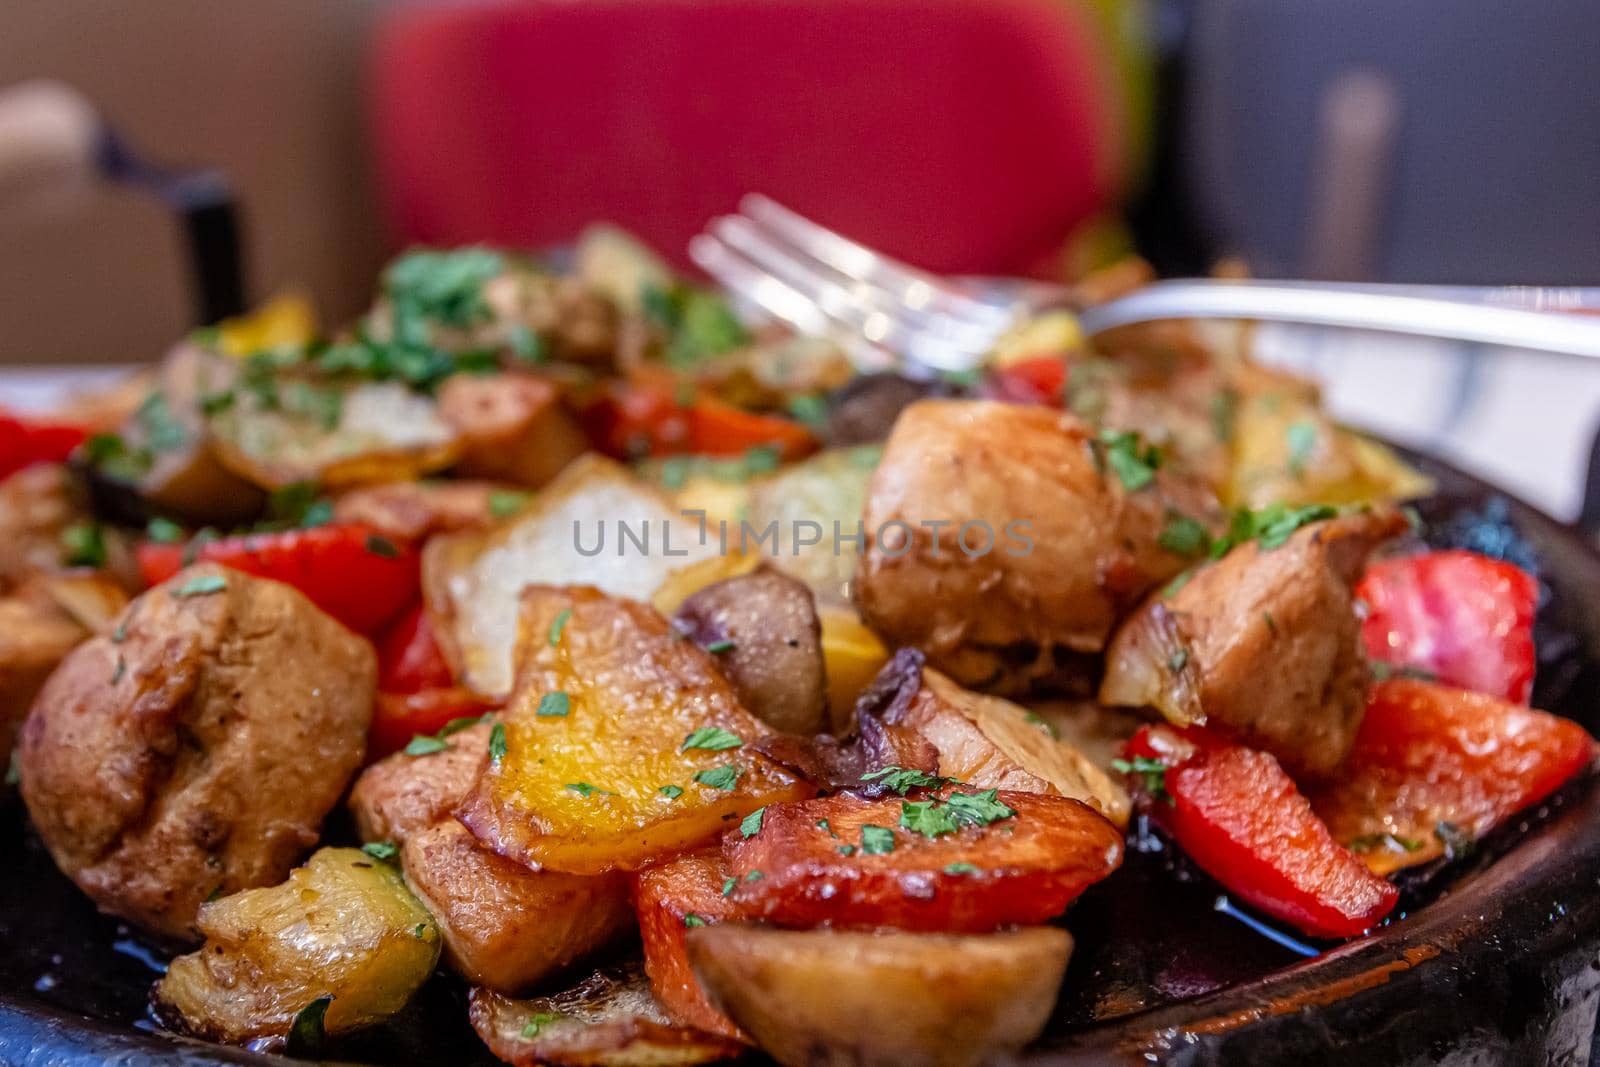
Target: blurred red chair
(962, 135)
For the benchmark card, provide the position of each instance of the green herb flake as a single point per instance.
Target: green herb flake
(810, 409)
(420, 931)
(932, 818)
(1033, 719)
(718, 647)
(497, 743)
(671, 792)
(201, 585)
(1184, 536)
(755, 876)
(554, 705)
(14, 769)
(711, 739)
(1302, 439)
(1133, 462)
(901, 779)
(1178, 660)
(557, 625)
(1458, 843)
(538, 1021)
(1153, 771)
(526, 345)
(725, 777)
(383, 851)
(382, 546)
(876, 840)
(423, 745)
(121, 669)
(84, 545)
(847, 850)
(727, 886)
(1391, 842)
(692, 920)
(1272, 624)
(761, 459)
(504, 502)
(308, 1033)
(584, 789)
(163, 531)
(822, 824)
(751, 825)
(960, 868)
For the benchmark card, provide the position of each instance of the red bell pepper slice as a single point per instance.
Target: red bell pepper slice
(1033, 380)
(24, 442)
(358, 577)
(656, 418)
(1240, 818)
(409, 657)
(398, 717)
(1466, 619)
(1431, 761)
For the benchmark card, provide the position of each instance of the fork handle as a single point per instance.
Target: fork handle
(1397, 310)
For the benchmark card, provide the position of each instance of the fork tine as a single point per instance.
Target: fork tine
(904, 284)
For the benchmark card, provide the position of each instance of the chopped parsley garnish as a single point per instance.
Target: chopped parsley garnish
(822, 824)
(1033, 719)
(299, 505)
(755, 876)
(201, 585)
(164, 531)
(307, 1032)
(584, 789)
(725, 777)
(554, 705)
(497, 743)
(931, 818)
(526, 345)
(420, 931)
(1133, 462)
(84, 545)
(162, 432)
(446, 287)
(1458, 843)
(1184, 536)
(902, 779)
(455, 726)
(382, 546)
(712, 739)
(751, 825)
(960, 868)
(876, 840)
(721, 646)
(727, 886)
(1178, 660)
(1302, 439)
(1272, 624)
(14, 769)
(1270, 527)
(202, 537)
(847, 850)
(675, 472)
(503, 502)
(1153, 771)
(762, 459)
(1382, 671)
(692, 920)
(383, 851)
(809, 408)
(698, 323)
(423, 745)
(1392, 842)
(121, 669)
(557, 625)
(671, 792)
(538, 1022)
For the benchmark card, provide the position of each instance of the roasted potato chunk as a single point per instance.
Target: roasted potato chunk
(34, 638)
(671, 897)
(513, 427)
(858, 999)
(1044, 544)
(623, 743)
(401, 795)
(990, 743)
(955, 861)
(763, 629)
(608, 1020)
(343, 926)
(472, 581)
(1264, 643)
(197, 747)
(811, 496)
(506, 927)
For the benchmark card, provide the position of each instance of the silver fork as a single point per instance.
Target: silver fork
(888, 314)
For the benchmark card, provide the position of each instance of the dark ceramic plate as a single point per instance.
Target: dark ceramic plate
(1494, 959)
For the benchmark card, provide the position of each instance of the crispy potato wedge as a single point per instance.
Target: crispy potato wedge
(671, 897)
(504, 926)
(854, 862)
(809, 498)
(989, 743)
(580, 787)
(608, 1020)
(472, 581)
(342, 926)
(401, 795)
(770, 639)
(845, 998)
(512, 427)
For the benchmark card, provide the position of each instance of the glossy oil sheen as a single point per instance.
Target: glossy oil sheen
(1493, 962)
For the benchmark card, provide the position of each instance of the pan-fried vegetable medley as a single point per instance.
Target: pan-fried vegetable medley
(685, 693)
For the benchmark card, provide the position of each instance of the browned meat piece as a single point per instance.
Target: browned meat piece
(1072, 547)
(504, 926)
(764, 631)
(411, 511)
(35, 636)
(36, 505)
(513, 427)
(197, 747)
(1264, 643)
(401, 795)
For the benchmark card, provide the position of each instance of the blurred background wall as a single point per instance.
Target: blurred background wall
(267, 90)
